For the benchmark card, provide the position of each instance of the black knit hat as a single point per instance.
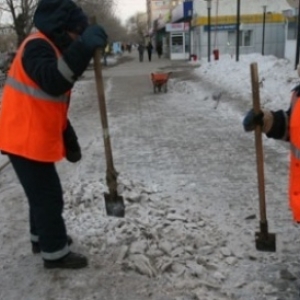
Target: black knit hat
(59, 15)
(77, 21)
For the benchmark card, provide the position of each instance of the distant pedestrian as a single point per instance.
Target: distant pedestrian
(159, 49)
(149, 50)
(141, 50)
(128, 47)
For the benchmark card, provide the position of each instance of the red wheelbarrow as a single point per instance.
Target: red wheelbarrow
(160, 81)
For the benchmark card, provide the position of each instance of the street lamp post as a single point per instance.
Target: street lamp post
(264, 27)
(208, 28)
(190, 13)
(238, 22)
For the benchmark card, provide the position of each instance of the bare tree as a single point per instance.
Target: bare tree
(6, 42)
(104, 11)
(21, 12)
(98, 8)
(137, 27)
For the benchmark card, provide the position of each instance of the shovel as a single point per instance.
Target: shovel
(264, 240)
(114, 203)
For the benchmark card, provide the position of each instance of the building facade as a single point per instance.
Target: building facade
(262, 27)
(266, 26)
(158, 10)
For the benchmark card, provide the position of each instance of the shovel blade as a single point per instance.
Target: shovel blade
(265, 241)
(114, 205)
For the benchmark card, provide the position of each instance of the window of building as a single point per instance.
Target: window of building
(246, 38)
(177, 43)
(231, 38)
(292, 31)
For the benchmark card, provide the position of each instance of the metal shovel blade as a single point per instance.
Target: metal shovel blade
(265, 241)
(115, 206)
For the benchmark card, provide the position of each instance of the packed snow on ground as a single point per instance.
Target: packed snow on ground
(187, 239)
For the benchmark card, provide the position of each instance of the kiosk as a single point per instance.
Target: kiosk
(179, 40)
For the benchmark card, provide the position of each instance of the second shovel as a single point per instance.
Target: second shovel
(264, 240)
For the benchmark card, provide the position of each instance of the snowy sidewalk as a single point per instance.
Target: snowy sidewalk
(187, 171)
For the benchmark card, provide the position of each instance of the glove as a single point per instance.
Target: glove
(94, 37)
(264, 119)
(72, 147)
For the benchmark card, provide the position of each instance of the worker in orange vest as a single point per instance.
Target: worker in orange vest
(34, 129)
(283, 125)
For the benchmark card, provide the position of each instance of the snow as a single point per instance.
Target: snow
(188, 177)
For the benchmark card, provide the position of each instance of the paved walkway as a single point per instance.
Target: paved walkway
(188, 148)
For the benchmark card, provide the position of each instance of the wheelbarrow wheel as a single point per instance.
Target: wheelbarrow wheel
(154, 89)
(159, 88)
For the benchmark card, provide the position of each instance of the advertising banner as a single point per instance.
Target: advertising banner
(177, 27)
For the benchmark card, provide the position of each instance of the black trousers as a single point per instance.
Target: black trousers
(141, 56)
(42, 187)
(149, 55)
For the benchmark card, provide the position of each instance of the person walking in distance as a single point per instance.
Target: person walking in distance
(159, 49)
(149, 50)
(35, 131)
(141, 50)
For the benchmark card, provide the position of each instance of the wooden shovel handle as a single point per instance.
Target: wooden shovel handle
(111, 174)
(258, 143)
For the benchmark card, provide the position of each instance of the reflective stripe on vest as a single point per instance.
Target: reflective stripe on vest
(37, 93)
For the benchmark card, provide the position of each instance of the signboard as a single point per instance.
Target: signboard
(221, 27)
(187, 9)
(182, 11)
(179, 27)
(247, 19)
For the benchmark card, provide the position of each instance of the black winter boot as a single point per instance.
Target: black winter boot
(70, 261)
(35, 246)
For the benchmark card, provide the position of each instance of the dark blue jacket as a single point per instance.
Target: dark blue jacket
(39, 59)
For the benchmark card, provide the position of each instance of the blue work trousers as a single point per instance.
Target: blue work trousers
(42, 187)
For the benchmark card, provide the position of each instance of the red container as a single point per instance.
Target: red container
(194, 57)
(216, 54)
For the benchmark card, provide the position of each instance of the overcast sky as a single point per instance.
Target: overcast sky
(127, 8)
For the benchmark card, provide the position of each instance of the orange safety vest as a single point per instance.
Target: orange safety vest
(31, 121)
(294, 186)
